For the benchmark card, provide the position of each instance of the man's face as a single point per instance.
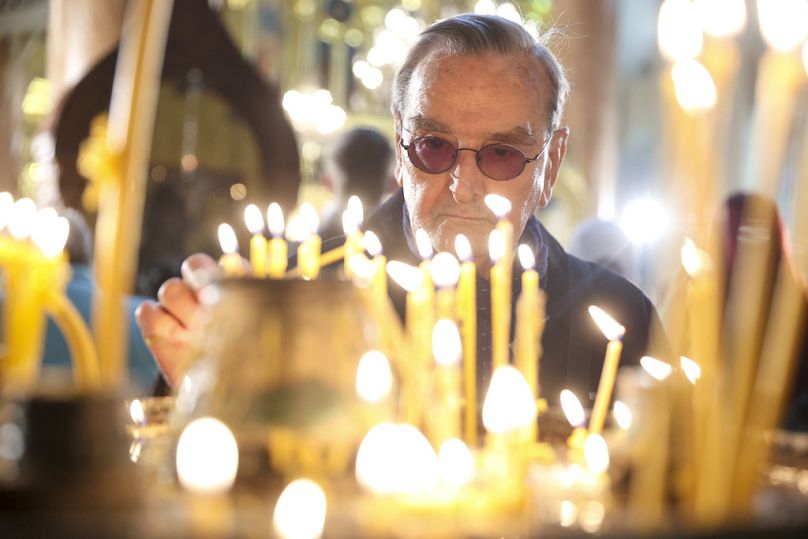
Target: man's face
(473, 101)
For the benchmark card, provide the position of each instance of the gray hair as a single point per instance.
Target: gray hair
(480, 34)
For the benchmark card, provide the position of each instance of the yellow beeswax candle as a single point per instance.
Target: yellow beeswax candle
(351, 221)
(278, 255)
(467, 315)
(614, 332)
(447, 350)
(258, 244)
(379, 279)
(445, 271)
(574, 412)
(230, 261)
(308, 253)
(529, 323)
(500, 300)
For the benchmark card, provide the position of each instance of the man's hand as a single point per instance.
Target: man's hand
(167, 326)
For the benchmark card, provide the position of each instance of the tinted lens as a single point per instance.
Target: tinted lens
(431, 154)
(500, 161)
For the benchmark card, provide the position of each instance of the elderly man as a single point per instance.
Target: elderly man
(477, 107)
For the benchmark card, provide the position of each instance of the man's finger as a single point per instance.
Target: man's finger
(179, 300)
(158, 325)
(198, 270)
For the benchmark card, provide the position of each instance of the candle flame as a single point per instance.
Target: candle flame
(782, 24)
(227, 239)
(496, 245)
(207, 456)
(374, 378)
(691, 369)
(722, 18)
(596, 453)
(310, 219)
(656, 368)
(396, 459)
(300, 511)
(463, 248)
(679, 30)
(526, 257)
(569, 513)
(456, 463)
(253, 219)
(694, 260)
(509, 404)
(352, 216)
(622, 415)
(275, 219)
(693, 85)
(21, 220)
(423, 243)
(446, 344)
(296, 228)
(6, 203)
(136, 412)
(804, 63)
(361, 268)
(608, 325)
(50, 232)
(500, 205)
(372, 243)
(445, 270)
(572, 408)
(408, 277)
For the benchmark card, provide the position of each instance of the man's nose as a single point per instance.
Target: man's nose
(467, 179)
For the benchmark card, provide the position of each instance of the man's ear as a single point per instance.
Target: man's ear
(556, 152)
(397, 147)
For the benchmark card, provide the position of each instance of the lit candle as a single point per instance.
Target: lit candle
(379, 279)
(614, 332)
(230, 261)
(500, 299)
(308, 253)
(445, 271)
(529, 321)
(277, 259)
(300, 511)
(351, 221)
(374, 382)
(424, 246)
(574, 412)
(258, 244)
(447, 350)
(467, 315)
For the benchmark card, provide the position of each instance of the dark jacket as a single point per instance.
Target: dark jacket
(573, 345)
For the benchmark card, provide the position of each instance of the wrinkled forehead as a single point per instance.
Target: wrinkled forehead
(518, 78)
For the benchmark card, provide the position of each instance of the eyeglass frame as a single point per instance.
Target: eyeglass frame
(476, 151)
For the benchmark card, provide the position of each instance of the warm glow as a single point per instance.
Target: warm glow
(573, 410)
(722, 18)
(569, 513)
(500, 205)
(507, 10)
(463, 248)
(596, 453)
(447, 346)
(313, 110)
(679, 30)
(783, 23)
(136, 412)
(372, 243)
(526, 257)
(694, 260)
(445, 270)
(50, 232)
(496, 245)
(296, 229)
(300, 511)
(622, 415)
(374, 379)
(804, 63)
(6, 203)
(423, 243)
(361, 268)
(253, 219)
(690, 368)
(396, 458)
(656, 368)
(485, 7)
(694, 86)
(509, 404)
(22, 217)
(606, 323)
(352, 216)
(227, 239)
(309, 218)
(645, 220)
(207, 456)
(408, 277)
(275, 219)
(456, 463)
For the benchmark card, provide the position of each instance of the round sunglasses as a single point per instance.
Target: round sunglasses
(499, 162)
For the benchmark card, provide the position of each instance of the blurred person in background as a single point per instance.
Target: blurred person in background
(604, 243)
(358, 162)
